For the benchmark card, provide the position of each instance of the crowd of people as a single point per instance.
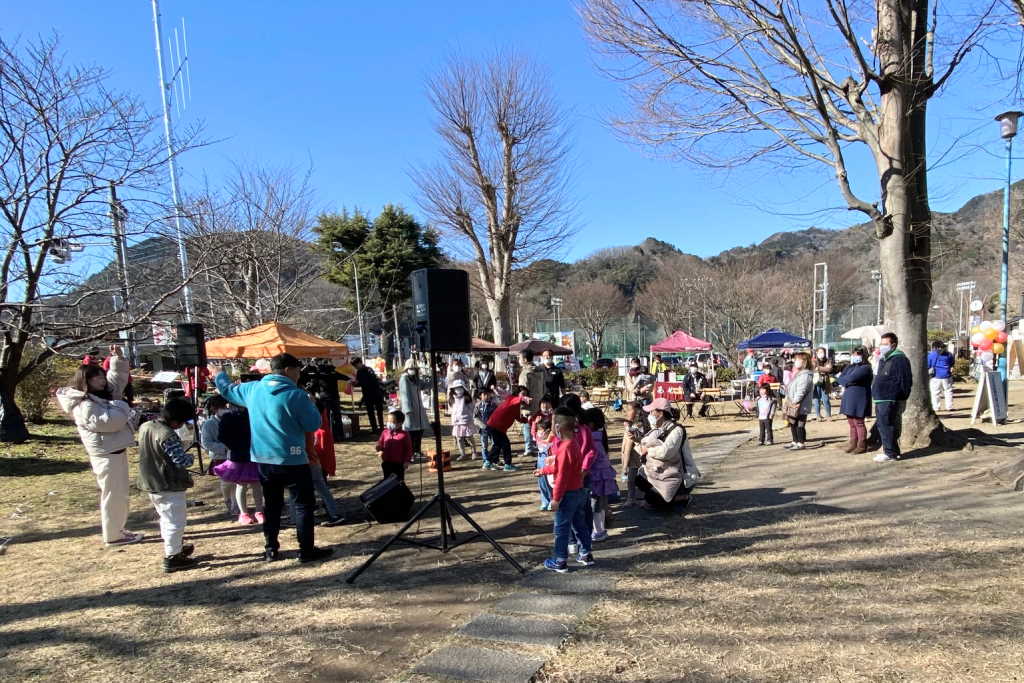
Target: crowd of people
(274, 432)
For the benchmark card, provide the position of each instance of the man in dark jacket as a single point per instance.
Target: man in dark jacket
(889, 393)
(693, 390)
(373, 395)
(554, 379)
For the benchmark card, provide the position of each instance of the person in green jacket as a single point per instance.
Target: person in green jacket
(163, 474)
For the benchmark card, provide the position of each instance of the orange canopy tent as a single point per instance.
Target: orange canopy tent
(271, 339)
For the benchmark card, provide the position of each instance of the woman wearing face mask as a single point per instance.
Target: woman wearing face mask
(411, 400)
(669, 471)
(485, 378)
(799, 394)
(823, 368)
(104, 423)
(632, 377)
(856, 381)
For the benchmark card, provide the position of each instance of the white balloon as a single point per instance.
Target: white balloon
(986, 325)
(999, 325)
(987, 356)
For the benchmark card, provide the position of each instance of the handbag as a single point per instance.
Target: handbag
(792, 410)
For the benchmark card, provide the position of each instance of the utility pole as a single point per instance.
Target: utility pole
(398, 340)
(359, 310)
(118, 216)
(165, 93)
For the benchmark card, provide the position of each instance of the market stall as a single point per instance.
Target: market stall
(270, 339)
(774, 339)
(677, 342)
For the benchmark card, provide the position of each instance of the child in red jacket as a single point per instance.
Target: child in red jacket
(394, 447)
(504, 416)
(569, 499)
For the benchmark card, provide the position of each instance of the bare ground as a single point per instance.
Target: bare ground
(807, 566)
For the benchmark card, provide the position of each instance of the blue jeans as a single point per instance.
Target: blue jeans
(542, 481)
(571, 514)
(889, 420)
(298, 479)
(820, 400)
(485, 442)
(528, 444)
(320, 484)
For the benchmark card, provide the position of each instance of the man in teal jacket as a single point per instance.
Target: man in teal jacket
(280, 415)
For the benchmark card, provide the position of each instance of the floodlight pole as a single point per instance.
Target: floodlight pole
(165, 89)
(1007, 130)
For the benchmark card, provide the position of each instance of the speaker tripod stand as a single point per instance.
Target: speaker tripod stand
(445, 505)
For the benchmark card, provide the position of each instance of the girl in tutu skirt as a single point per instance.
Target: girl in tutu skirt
(238, 468)
(460, 409)
(601, 473)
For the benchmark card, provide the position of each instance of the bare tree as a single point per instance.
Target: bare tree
(501, 188)
(723, 82)
(65, 139)
(259, 226)
(594, 305)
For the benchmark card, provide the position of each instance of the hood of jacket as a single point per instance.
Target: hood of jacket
(69, 397)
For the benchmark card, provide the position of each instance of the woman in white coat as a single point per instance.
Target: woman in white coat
(411, 400)
(105, 421)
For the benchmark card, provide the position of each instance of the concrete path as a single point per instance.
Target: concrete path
(527, 627)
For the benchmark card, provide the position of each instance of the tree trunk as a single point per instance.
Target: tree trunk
(12, 422)
(905, 252)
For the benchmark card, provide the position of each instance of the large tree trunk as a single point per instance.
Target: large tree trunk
(905, 252)
(12, 422)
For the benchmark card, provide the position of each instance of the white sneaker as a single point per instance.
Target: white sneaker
(798, 447)
(882, 457)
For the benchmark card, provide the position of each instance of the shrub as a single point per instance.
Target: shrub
(724, 375)
(34, 392)
(593, 377)
(961, 369)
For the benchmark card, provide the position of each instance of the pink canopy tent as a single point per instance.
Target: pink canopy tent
(680, 341)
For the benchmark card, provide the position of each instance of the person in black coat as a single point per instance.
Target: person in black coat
(856, 405)
(890, 392)
(485, 378)
(373, 394)
(694, 385)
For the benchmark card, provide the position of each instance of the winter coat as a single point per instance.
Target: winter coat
(411, 401)
(461, 410)
(856, 382)
(941, 364)
(800, 392)
(367, 380)
(669, 462)
(104, 425)
(162, 460)
(280, 416)
(485, 379)
(893, 378)
(824, 370)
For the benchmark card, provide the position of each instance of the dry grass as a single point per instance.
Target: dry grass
(810, 566)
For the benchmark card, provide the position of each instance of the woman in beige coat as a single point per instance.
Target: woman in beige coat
(104, 422)
(669, 470)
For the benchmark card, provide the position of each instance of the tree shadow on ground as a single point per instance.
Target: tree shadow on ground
(30, 466)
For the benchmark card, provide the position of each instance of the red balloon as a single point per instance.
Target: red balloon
(1002, 337)
(986, 345)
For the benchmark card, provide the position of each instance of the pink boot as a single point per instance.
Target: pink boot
(260, 518)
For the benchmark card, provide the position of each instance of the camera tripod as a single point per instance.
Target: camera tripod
(444, 503)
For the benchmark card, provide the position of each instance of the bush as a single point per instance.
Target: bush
(961, 369)
(724, 375)
(594, 377)
(34, 392)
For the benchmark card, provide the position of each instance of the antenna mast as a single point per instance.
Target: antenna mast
(165, 93)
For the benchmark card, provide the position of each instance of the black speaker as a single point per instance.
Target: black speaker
(189, 346)
(440, 304)
(389, 501)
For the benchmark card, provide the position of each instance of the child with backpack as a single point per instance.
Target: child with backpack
(542, 437)
(163, 474)
(568, 497)
(238, 471)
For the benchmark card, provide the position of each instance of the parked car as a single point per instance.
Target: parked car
(703, 358)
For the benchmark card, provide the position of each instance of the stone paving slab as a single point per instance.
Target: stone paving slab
(479, 664)
(547, 604)
(505, 629)
(577, 580)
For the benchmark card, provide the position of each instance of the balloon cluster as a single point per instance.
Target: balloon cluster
(989, 338)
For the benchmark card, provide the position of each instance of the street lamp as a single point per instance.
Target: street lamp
(876, 275)
(556, 305)
(1007, 130)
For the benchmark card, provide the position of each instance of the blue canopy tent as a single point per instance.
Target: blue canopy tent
(774, 339)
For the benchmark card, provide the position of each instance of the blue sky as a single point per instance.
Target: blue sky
(339, 87)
